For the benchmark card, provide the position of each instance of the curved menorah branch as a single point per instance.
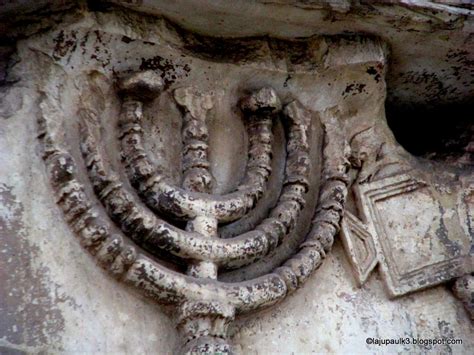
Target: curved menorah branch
(162, 196)
(154, 279)
(148, 230)
(95, 232)
(329, 210)
(122, 260)
(283, 216)
(260, 109)
(206, 306)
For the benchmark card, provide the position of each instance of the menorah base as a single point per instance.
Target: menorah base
(204, 325)
(206, 345)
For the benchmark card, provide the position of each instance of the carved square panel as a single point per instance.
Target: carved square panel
(417, 231)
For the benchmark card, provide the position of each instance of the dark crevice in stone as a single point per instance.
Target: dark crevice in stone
(444, 133)
(6, 51)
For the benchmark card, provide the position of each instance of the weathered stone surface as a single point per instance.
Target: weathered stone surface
(418, 32)
(212, 174)
(360, 247)
(416, 226)
(343, 316)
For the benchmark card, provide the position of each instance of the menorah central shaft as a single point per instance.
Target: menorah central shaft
(260, 108)
(206, 226)
(210, 326)
(195, 162)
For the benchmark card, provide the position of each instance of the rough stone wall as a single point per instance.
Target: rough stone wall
(55, 299)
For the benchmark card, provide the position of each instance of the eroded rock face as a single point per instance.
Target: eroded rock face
(156, 165)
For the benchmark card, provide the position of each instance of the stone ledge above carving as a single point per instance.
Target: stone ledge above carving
(417, 31)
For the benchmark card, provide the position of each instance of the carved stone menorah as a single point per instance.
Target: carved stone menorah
(131, 238)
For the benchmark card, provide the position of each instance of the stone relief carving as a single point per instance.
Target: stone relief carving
(360, 247)
(416, 230)
(145, 209)
(206, 305)
(422, 244)
(149, 203)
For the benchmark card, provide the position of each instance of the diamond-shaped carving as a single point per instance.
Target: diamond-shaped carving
(359, 245)
(417, 232)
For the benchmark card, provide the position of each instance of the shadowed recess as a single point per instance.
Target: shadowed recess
(444, 133)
